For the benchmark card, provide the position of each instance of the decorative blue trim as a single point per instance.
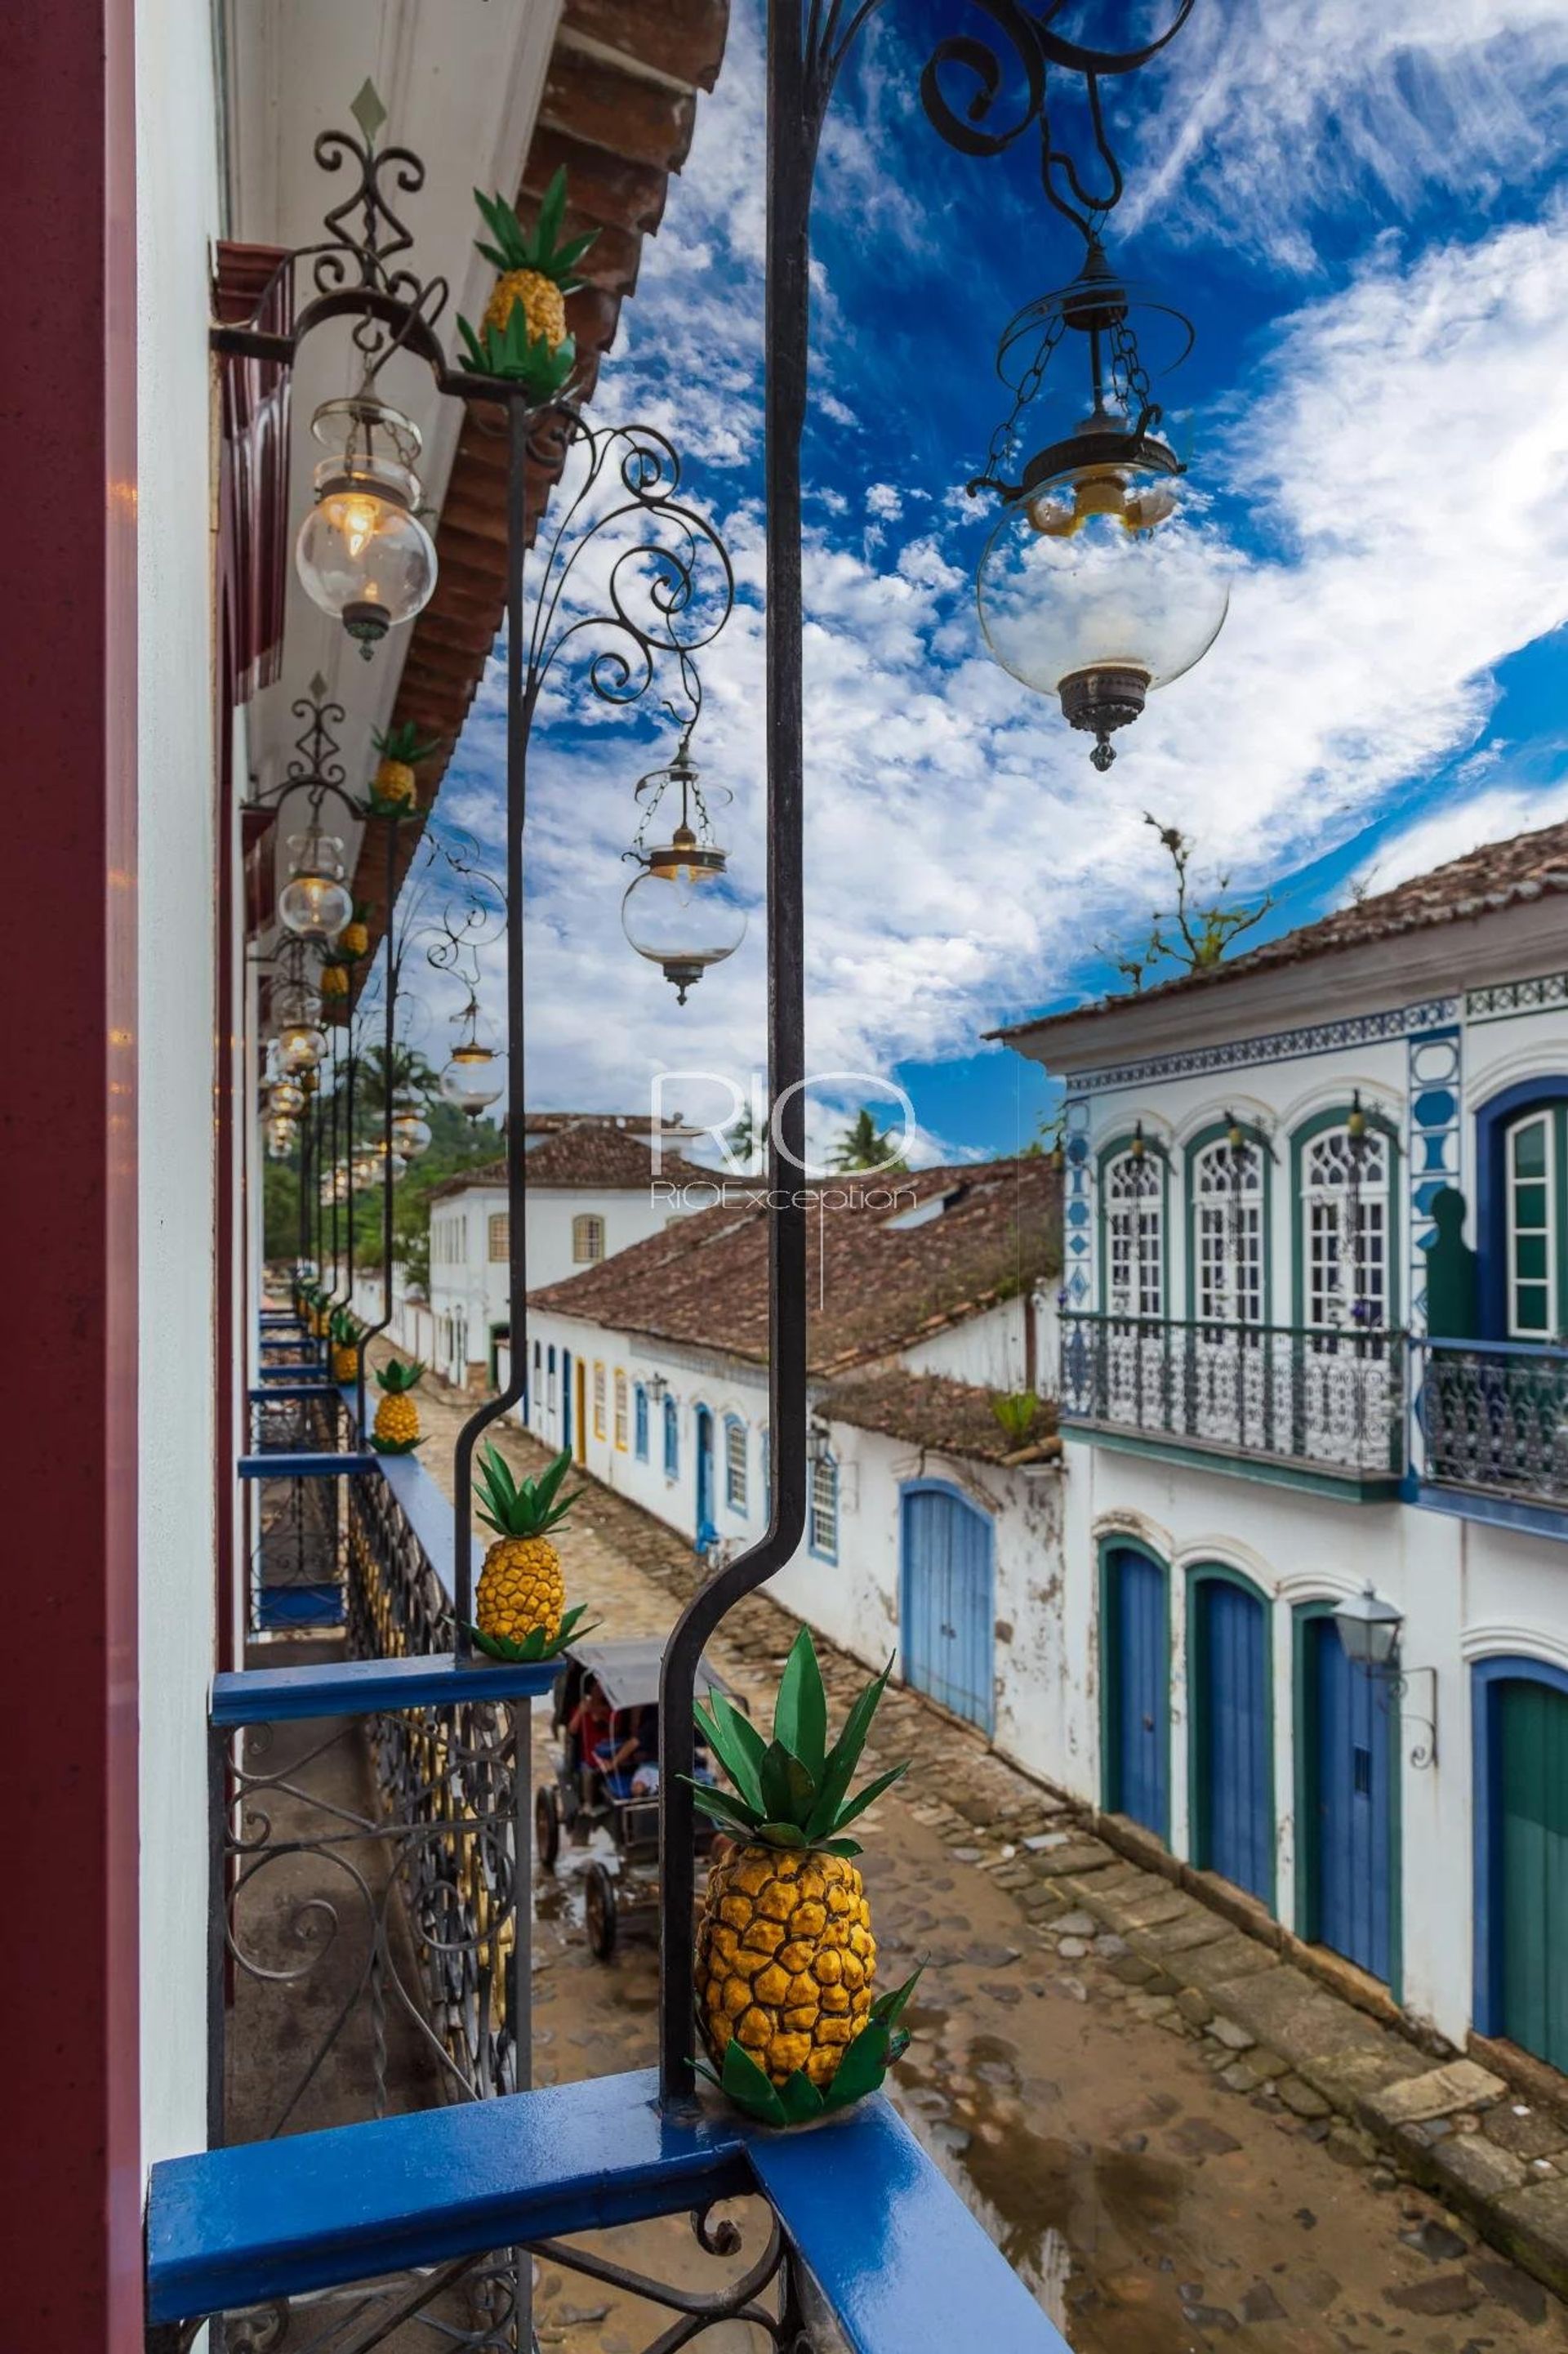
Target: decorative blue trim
(1077, 1208)
(1486, 1675)
(1436, 1081)
(307, 1467)
(1497, 1511)
(361, 1687)
(1503, 998)
(1492, 1119)
(1277, 1046)
(897, 2255)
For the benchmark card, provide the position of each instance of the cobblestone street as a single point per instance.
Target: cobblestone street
(1181, 2140)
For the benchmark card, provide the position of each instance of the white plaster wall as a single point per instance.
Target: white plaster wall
(177, 215)
(990, 1348)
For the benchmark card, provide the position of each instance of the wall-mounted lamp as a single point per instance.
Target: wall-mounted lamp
(1368, 1628)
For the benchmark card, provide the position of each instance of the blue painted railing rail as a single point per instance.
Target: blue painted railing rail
(280, 1466)
(896, 2256)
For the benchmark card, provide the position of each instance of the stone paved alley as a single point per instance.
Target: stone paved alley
(1098, 2059)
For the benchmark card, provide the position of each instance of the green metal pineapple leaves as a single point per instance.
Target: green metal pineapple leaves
(510, 351)
(536, 1644)
(792, 1791)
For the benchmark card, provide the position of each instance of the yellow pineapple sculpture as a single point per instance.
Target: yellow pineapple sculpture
(396, 1430)
(334, 978)
(520, 1611)
(395, 788)
(786, 1959)
(355, 938)
(344, 1334)
(522, 336)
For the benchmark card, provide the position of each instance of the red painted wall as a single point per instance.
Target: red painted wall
(70, 2188)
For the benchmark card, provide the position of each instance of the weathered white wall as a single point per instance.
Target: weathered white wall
(177, 215)
(988, 1349)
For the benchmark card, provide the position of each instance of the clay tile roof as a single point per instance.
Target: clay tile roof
(929, 1410)
(618, 110)
(1499, 875)
(589, 1156)
(875, 1286)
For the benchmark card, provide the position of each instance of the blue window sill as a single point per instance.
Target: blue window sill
(896, 2253)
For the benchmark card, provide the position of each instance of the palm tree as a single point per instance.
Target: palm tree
(862, 1145)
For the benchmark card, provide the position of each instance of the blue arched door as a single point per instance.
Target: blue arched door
(1349, 1750)
(946, 1605)
(1233, 1783)
(1137, 1670)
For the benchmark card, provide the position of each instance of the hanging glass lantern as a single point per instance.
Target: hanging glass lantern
(683, 912)
(301, 1046)
(410, 1131)
(1101, 582)
(316, 903)
(363, 554)
(286, 1097)
(472, 1079)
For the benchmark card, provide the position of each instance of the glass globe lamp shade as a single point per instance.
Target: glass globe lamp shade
(472, 1079)
(410, 1134)
(301, 1046)
(1097, 587)
(683, 912)
(316, 903)
(286, 1097)
(363, 555)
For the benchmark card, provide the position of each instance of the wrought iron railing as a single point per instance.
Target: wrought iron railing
(296, 1541)
(1330, 1399)
(366, 1848)
(1492, 1416)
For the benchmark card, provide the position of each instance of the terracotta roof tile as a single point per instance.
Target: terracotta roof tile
(591, 1155)
(929, 1410)
(874, 1284)
(1499, 875)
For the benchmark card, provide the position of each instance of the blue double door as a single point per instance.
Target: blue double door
(1233, 1778)
(1136, 1642)
(948, 1608)
(1348, 1751)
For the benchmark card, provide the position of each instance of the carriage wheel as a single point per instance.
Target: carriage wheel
(547, 1828)
(599, 1893)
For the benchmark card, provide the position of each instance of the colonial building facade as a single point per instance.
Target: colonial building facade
(927, 1523)
(1314, 1301)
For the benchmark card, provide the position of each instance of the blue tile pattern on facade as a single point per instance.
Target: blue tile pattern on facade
(1279, 1046)
(1436, 1070)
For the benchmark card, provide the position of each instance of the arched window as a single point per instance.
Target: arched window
(1227, 1193)
(1134, 1196)
(640, 1422)
(822, 1510)
(671, 1439)
(734, 1463)
(500, 1237)
(587, 1239)
(620, 1410)
(1345, 1229)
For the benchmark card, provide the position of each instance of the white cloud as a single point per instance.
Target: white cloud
(1454, 832)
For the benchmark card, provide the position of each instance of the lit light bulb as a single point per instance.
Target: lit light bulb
(363, 554)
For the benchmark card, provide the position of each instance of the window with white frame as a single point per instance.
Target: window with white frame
(671, 1439)
(822, 1514)
(1134, 1196)
(1535, 1158)
(622, 1397)
(598, 1400)
(1227, 1232)
(587, 1239)
(735, 1464)
(500, 1236)
(640, 1422)
(1345, 1229)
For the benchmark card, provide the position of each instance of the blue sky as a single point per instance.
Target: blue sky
(1364, 213)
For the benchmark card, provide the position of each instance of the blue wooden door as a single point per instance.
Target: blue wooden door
(947, 1602)
(1349, 1735)
(706, 1531)
(1531, 1838)
(1138, 1684)
(1232, 1809)
(565, 1397)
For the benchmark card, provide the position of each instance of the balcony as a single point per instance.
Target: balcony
(381, 2171)
(1491, 1426)
(1307, 1407)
